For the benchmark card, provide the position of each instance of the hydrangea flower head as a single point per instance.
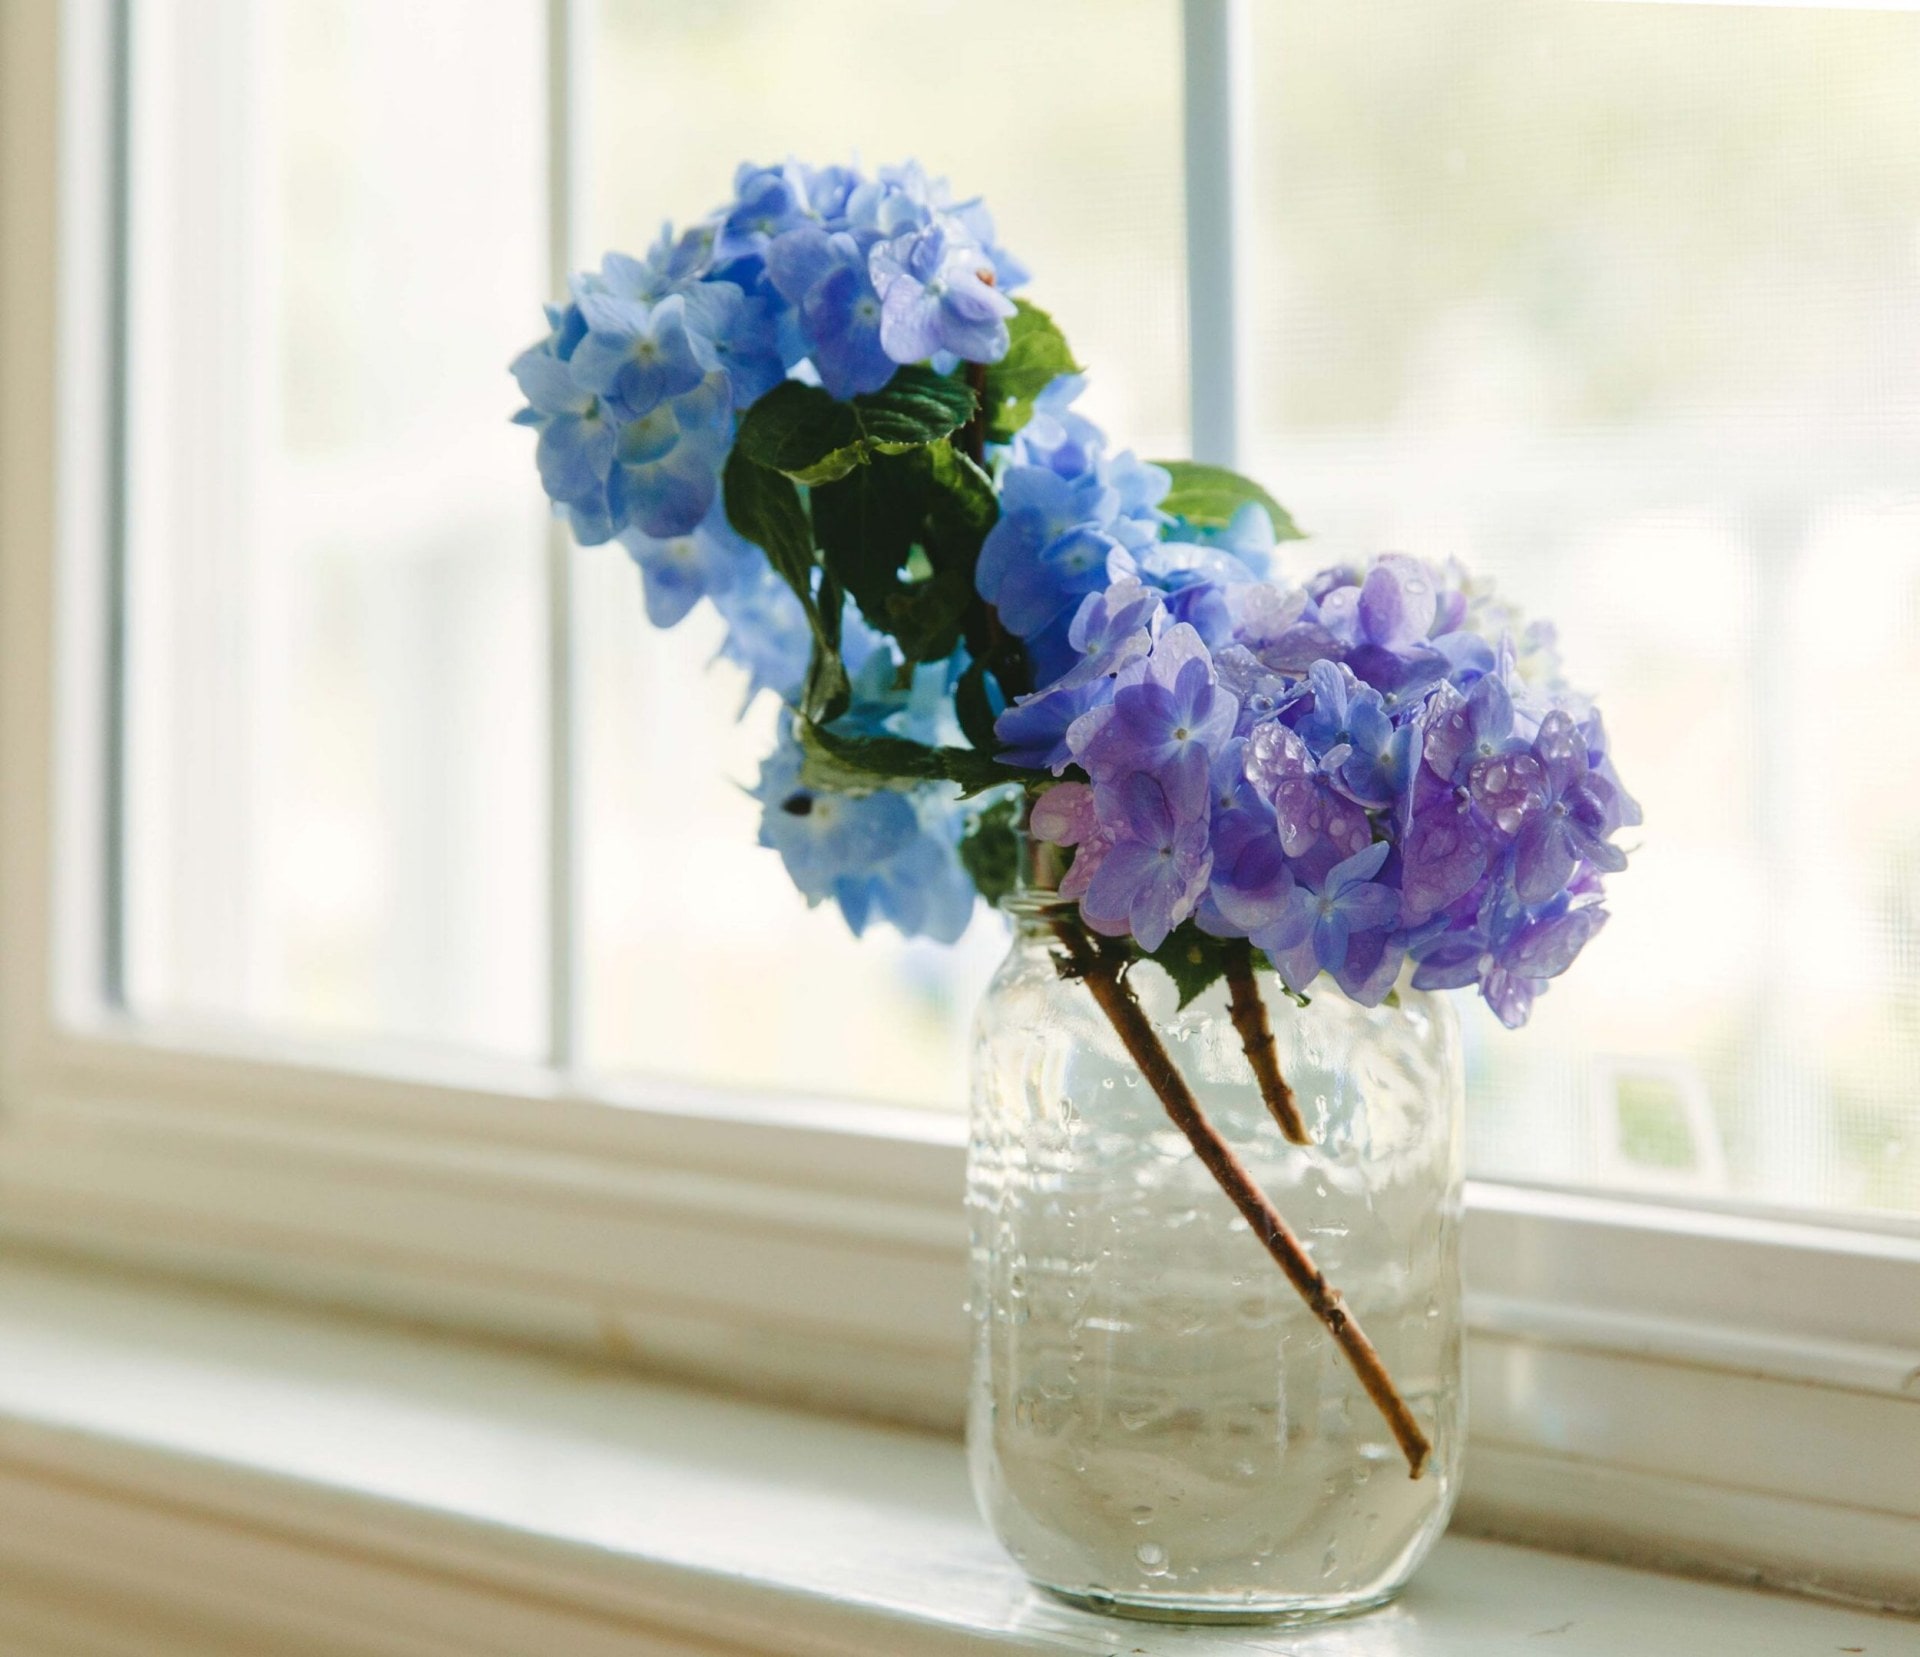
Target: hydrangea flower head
(937, 295)
(1385, 782)
(838, 278)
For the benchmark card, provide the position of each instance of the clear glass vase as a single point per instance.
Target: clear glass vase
(1159, 1425)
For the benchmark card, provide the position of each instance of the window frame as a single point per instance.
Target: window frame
(1721, 1390)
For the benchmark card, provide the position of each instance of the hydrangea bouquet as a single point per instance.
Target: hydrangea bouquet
(823, 411)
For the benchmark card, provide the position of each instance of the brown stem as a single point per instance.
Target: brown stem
(1101, 971)
(973, 435)
(1249, 1010)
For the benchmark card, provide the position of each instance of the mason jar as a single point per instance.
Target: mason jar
(1158, 1424)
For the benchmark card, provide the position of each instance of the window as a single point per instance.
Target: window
(1622, 306)
(334, 776)
(1604, 302)
(378, 902)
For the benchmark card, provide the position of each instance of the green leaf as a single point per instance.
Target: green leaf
(915, 407)
(1004, 655)
(871, 522)
(929, 619)
(925, 617)
(791, 427)
(1208, 496)
(827, 691)
(765, 508)
(974, 708)
(990, 849)
(1194, 961)
(962, 509)
(815, 438)
(842, 763)
(1036, 355)
(868, 523)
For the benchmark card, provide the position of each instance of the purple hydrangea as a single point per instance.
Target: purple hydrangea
(1156, 857)
(1379, 770)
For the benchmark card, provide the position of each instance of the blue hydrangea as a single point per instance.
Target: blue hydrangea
(666, 471)
(823, 275)
(708, 561)
(889, 855)
(577, 436)
(938, 296)
(737, 334)
(636, 387)
(767, 200)
(767, 633)
(636, 355)
(1072, 520)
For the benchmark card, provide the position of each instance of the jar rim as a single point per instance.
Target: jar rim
(1037, 903)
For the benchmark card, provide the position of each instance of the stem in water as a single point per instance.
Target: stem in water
(1101, 972)
(1249, 1010)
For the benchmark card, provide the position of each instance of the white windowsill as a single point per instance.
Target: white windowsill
(185, 1472)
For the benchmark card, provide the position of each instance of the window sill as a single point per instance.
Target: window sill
(183, 1472)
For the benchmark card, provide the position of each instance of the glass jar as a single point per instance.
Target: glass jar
(1158, 1424)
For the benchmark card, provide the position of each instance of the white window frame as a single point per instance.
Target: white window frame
(1719, 1390)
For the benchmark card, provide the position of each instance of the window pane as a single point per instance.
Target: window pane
(1622, 305)
(703, 961)
(335, 673)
